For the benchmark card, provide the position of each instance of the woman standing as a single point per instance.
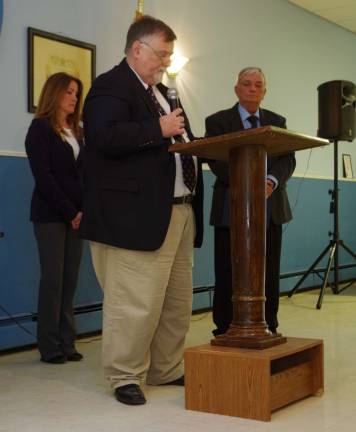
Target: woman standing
(54, 147)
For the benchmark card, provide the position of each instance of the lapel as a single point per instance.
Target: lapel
(142, 93)
(163, 89)
(236, 121)
(139, 88)
(263, 120)
(81, 150)
(69, 149)
(233, 118)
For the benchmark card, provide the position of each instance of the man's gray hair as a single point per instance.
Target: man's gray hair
(251, 70)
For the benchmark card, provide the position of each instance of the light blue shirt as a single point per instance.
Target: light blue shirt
(247, 125)
(245, 114)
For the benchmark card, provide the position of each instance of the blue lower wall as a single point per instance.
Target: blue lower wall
(303, 240)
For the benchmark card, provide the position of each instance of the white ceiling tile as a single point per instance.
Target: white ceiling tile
(340, 12)
(313, 5)
(348, 22)
(337, 14)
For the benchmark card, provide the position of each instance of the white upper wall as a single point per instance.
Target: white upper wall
(297, 50)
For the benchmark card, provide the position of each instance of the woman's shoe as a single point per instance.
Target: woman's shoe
(58, 359)
(76, 356)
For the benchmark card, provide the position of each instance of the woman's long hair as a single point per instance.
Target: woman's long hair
(51, 95)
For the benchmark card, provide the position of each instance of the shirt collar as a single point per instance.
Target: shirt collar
(245, 114)
(138, 76)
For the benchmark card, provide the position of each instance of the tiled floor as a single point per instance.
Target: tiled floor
(74, 397)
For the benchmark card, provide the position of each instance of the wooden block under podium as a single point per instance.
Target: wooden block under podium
(252, 383)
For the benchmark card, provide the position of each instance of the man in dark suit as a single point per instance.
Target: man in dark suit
(250, 90)
(142, 213)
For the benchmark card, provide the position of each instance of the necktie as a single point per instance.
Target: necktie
(188, 167)
(253, 120)
(153, 98)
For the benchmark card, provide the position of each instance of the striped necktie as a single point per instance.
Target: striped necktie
(253, 120)
(188, 167)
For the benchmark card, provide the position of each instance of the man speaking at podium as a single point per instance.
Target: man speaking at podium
(250, 90)
(142, 213)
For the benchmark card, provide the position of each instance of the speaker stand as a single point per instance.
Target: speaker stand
(332, 250)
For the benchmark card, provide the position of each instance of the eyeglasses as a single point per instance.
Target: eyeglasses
(163, 55)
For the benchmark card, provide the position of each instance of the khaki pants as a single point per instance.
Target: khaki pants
(147, 305)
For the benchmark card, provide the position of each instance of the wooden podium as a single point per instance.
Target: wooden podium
(246, 152)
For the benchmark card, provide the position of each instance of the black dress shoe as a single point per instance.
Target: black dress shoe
(218, 332)
(58, 359)
(179, 381)
(130, 394)
(75, 357)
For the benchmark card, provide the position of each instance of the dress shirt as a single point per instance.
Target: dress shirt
(71, 139)
(180, 189)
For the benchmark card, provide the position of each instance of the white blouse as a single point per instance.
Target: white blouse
(71, 139)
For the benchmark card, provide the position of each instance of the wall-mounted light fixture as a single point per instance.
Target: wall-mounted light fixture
(177, 63)
(139, 9)
(177, 60)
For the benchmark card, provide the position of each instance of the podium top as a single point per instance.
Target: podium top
(277, 141)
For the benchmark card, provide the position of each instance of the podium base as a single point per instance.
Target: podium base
(252, 383)
(246, 342)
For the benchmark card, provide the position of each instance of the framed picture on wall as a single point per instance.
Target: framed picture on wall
(347, 166)
(1, 13)
(49, 53)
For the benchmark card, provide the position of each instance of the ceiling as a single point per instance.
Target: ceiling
(340, 12)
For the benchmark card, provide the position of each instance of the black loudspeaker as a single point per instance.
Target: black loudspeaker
(337, 110)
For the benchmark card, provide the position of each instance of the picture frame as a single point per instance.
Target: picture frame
(49, 53)
(347, 166)
(1, 13)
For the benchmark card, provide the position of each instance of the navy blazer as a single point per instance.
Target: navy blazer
(281, 167)
(129, 173)
(57, 196)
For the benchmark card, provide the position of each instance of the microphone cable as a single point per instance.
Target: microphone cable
(17, 322)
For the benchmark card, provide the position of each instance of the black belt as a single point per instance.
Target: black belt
(185, 199)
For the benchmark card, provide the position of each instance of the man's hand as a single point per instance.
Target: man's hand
(172, 124)
(269, 187)
(76, 221)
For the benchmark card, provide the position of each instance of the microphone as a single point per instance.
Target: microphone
(172, 95)
(173, 99)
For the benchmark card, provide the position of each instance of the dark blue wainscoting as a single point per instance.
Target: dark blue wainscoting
(303, 240)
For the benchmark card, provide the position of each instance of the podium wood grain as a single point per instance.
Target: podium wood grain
(246, 152)
(276, 141)
(252, 383)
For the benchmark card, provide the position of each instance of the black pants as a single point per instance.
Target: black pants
(222, 304)
(60, 251)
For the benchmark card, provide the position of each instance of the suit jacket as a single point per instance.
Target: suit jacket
(57, 196)
(129, 175)
(281, 167)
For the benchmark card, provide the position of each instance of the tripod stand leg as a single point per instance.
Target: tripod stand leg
(326, 276)
(350, 252)
(310, 269)
(346, 286)
(347, 249)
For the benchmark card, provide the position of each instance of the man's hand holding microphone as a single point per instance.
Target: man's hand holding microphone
(172, 124)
